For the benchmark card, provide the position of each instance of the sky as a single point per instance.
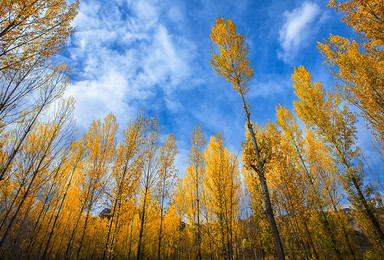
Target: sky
(154, 54)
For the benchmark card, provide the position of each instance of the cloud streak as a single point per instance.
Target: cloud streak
(124, 54)
(300, 25)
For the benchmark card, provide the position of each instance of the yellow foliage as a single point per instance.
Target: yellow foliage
(359, 65)
(231, 61)
(32, 31)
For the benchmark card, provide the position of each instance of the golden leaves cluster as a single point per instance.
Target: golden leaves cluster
(358, 65)
(231, 59)
(32, 31)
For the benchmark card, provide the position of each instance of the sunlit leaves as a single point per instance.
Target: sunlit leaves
(358, 65)
(32, 31)
(230, 60)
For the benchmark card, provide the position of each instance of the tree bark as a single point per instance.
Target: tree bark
(59, 209)
(142, 223)
(368, 210)
(260, 173)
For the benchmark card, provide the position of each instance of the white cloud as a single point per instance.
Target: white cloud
(269, 85)
(96, 98)
(175, 14)
(123, 53)
(166, 63)
(300, 24)
(173, 105)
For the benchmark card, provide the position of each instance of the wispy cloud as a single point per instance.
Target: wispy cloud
(125, 53)
(269, 85)
(96, 98)
(300, 25)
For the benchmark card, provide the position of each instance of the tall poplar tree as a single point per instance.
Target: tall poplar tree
(222, 185)
(232, 63)
(335, 126)
(193, 186)
(358, 65)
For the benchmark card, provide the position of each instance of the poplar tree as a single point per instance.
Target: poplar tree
(358, 65)
(125, 174)
(193, 186)
(222, 186)
(232, 63)
(335, 126)
(167, 173)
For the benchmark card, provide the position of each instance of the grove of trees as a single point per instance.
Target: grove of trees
(94, 197)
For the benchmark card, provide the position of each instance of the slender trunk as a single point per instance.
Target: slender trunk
(75, 228)
(130, 238)
(34, 174)
(311, 241)
(270, 215)
(118, 198)
(161, 225)
(42, 241)
(115, 231)
(199, 256)
(17, 210)
(142, 223)
(60, 208)
(349, 244)
(21, 227)
(368, 210)
(231, 220)
(260, 172)
(85, 225)
(292, 233)
(113, 211)
(12, 203)
(16, 149)
(223, 243)
(160, 236)
(294, 223)
(363, 201)
(43, 212)
(320, 205)
(328, 228)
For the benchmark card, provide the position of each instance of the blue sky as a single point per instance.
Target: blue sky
(155, 54)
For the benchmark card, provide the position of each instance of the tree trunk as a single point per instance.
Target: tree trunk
(59, 210)
(85, 226)
(142, 222)
(44, 210)
(130, 237)
(161, 223)
(34, 174)
(199, 256)
(76, 225)
(363, 201)
(17, 148)
(260, 172)
(113, 211)
(368, 211)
